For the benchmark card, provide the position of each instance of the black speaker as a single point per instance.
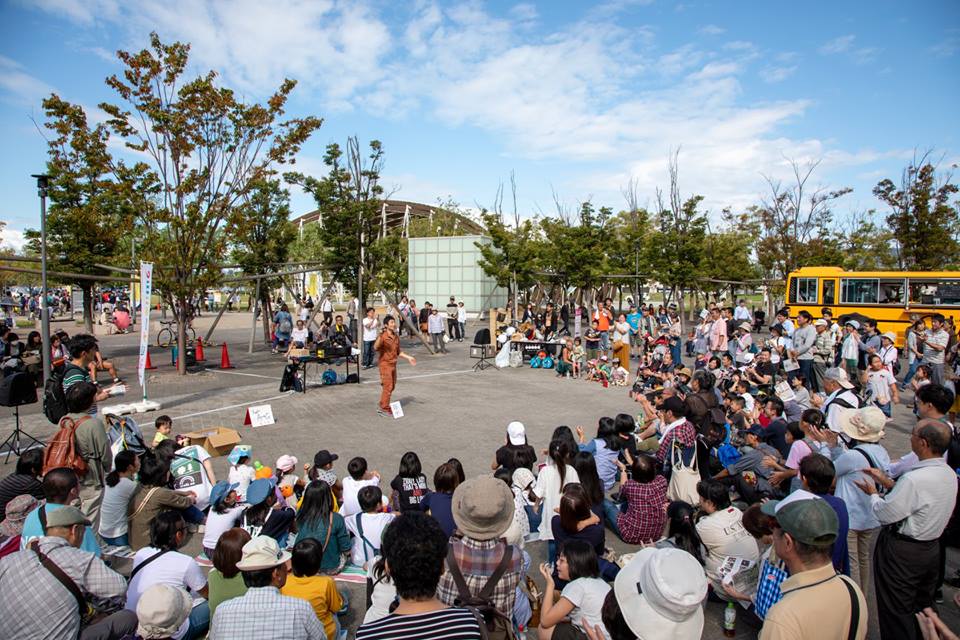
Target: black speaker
(17, 389)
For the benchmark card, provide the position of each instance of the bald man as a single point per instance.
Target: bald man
(917, 506)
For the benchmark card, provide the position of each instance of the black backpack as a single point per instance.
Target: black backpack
(54, 398)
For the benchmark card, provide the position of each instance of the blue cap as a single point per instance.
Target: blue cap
(220, 491)
(238, 452)
(258, 490)
(754, 430)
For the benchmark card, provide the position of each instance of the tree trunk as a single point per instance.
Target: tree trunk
(266, 312)
(180, 314)
(87, 289)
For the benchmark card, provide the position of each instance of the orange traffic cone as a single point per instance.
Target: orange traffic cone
(200, 356)
(148, 364)
(225, 358)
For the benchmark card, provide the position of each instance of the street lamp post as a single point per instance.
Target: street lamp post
(42, 184)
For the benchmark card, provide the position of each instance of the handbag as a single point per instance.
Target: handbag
(684, 478)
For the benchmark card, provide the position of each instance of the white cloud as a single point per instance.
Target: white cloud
(12, 239)
(777, 74)
(18, 86)
(840, 44)
(711, 30)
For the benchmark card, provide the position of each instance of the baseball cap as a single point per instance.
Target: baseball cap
(323, 458)
(259, 489)
(262, 552)
(660, 593)
(517, 433)
(839, 376)
(66, 517)
(753, 430)
(819, 322)
(812, 522)
(771, 507)
(286, 463)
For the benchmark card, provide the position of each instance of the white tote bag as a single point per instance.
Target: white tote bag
(684, 478)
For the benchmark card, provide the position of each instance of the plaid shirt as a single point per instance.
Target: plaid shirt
(772, 575)
(685, 434)
(645, 514)
(37, 605)
(261, 614)
(478, 559)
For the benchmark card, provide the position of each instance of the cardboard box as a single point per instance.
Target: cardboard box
(218, 441)
(300, 353)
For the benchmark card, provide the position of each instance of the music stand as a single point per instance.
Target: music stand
(15, 390)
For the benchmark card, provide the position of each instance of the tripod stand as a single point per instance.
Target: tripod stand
(14, 442)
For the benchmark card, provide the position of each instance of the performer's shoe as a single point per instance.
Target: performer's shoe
(385, 414)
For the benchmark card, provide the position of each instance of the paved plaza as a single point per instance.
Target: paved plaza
(450, 411)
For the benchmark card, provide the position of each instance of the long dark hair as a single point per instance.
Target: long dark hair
(586, 467)
(607, 431)
(564, 433)
(317, 504)
(410, 466)
(559, 452)
(574, 507)
(682, 529)
(124, 460)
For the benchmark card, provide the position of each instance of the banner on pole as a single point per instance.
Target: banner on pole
(146, 287)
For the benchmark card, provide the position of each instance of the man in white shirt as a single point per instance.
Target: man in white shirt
(934, 341)
(841, 396)
(371, 328)
(299, 336)
(914, 512)
(327, 308)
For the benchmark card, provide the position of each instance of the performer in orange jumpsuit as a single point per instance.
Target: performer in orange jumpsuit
(387, 346)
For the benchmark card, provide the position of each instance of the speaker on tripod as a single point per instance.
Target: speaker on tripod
(15, 390)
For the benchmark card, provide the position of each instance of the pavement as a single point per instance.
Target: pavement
(450, 410)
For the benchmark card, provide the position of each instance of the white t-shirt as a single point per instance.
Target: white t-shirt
(373, 527)
(461, 314)
(548, 488)
(219, 523)
(304, 314)
(723, 535)
(242, 475)
(587, 596)
(351, 488)
(879, 383)
(175, 569)
(299, 335)
(113, 510)
(370, 329)
(189, 475)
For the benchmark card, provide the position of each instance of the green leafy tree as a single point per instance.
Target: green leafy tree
(263, 244)
(349, 198)
(867, 246)
(626, 246)
(512, 256)
(924, 216)
(91, 211)
(207, 150)
(575, 253)
(727, 254)
(675, 250)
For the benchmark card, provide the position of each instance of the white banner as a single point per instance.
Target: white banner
(146, 286)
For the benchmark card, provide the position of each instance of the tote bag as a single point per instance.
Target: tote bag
(684, 478)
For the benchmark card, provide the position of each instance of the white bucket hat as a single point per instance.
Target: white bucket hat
(661, 593)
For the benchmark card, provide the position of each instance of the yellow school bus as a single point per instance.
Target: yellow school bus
(892, 298)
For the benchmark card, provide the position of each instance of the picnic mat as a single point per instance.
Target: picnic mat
(352, 573)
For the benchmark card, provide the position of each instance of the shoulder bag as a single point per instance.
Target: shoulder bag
(683, 478)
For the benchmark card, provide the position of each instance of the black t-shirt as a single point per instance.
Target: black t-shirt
(766, 369)
(775, 435)
(15, 485)
(410, 491)
(515, 457)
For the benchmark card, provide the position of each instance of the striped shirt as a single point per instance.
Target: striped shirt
(444, 624)
(74, 374)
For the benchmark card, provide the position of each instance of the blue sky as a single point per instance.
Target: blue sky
(576, 98)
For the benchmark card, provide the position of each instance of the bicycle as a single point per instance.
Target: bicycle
(168, 334)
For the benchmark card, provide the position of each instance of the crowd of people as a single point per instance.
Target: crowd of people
(746, 481)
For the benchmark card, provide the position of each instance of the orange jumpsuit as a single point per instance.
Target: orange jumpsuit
(388, 351)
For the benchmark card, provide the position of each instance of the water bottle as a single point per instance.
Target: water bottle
(730, 621)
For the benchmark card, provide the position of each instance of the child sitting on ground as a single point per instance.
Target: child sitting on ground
(164, 426)
(579, 354)
(288, 483)
(367, 526)
(322, 469)
(319, 590)
(620, 376)
(360, 477)
(241, 473)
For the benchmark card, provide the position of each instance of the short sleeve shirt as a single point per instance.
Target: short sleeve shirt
(587, 596)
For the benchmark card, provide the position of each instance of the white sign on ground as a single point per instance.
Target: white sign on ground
(259, 416)
(396, 409)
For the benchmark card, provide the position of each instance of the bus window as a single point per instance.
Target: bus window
(806, 291)
(935, 292)
(891, 292)
(829, 291)
(858, 290)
